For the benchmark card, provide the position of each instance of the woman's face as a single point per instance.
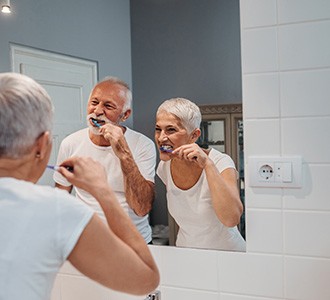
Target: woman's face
(170, 134)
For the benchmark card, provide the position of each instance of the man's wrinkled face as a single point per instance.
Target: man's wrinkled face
(105, 105)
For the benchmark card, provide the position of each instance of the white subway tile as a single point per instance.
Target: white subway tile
(262, 197)
(263, 91)
(264, 231)
(113, 295)
(189, 268)
(56, 290)
(225, 296)
(156, 252)
(304, 45)
(307, 278)
(251, 274)
(258, 13)
(82, 288)
(259, 50)
(315, 190)
(261, 137)
(68, 268)
(302, 10)
(307, 137)
(171, 293)
(305, 93)
(307, 233)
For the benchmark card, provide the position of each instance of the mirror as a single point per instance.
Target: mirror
(185, 49)
(164, 49)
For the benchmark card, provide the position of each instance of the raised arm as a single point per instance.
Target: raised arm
(115, 255)
(139, 191)
(223, 186)
(224, 192)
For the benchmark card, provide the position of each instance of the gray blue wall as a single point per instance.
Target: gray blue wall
(95, 30)
(186, 48)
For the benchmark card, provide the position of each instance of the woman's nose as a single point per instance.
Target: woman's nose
(162, 136)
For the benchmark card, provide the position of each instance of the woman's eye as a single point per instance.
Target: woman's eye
(171, 130)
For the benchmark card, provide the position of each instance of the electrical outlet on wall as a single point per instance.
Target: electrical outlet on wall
(275, 171)
(266, 172)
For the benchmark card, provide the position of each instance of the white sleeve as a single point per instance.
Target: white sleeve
(224, 162)
(161, 171)
(73, 216)
(145, 158)
(62, 155)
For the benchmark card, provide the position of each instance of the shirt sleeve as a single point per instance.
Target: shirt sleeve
(223, 162)
(62, 155)
(74, 215)
(161, 171)
(146, 158)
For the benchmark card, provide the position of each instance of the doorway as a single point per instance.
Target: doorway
(68, 80)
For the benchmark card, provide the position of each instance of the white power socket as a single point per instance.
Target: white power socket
(266, 172)
(275, 171)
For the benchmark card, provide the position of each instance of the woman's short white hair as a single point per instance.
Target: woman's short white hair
(128, 93)
(187, 111)
(26, 112)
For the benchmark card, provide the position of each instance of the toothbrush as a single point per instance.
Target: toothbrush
(95, 122)
(170, 151)
(56, 168)
(165, 149)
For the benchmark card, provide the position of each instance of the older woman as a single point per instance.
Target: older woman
(201, 184)
(41, 227)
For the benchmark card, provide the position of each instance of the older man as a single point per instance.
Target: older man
(128, 156)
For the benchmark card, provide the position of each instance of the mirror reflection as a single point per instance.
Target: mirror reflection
(184, 48)
(201, 182)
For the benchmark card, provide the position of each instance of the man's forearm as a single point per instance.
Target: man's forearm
(139, 192)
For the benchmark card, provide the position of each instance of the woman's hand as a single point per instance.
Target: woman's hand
(192, 152)
(87, 173)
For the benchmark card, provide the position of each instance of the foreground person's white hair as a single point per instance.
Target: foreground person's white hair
(26, 112)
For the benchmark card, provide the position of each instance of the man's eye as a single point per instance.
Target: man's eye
(171, 130)
(110, 107)
(157, 129)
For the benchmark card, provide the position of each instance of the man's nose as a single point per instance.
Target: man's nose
(98, 109)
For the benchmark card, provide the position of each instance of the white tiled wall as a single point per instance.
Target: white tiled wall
(286, 103)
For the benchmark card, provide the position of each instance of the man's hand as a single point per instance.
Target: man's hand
(114, 134)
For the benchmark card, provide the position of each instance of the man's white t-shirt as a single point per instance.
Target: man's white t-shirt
(144, 154)
(39, 227)
(192, 209)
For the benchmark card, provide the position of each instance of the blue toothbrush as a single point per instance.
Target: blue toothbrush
(165, 150)
(95, 122)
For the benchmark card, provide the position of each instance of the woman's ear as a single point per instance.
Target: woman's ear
(196, 134)
(42, 145)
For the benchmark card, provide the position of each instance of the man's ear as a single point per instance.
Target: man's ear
(126, 115)
(42, 145)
